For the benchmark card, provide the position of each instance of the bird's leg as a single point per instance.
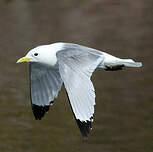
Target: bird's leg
(114, 68)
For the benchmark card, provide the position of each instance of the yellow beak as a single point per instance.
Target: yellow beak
(23, 59)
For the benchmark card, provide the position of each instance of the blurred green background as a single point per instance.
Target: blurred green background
(124, 109)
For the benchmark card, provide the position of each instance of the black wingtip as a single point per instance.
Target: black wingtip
(84, 126)
(39, 111)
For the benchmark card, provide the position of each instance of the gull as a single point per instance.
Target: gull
(52, 65)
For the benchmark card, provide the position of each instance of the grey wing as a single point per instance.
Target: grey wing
(45, 84)
(76, 67)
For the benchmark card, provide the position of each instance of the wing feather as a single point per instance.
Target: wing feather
(76, 65)
(45, 84)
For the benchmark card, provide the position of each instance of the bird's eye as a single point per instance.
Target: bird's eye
(36, 54)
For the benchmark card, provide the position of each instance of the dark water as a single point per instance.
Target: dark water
(124, 109)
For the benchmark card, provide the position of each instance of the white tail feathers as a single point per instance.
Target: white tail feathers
(131, 63)
(113, 63)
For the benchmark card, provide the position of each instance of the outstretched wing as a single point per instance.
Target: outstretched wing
(76, 67)
(45, 84)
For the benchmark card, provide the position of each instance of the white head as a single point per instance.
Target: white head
(44, 54)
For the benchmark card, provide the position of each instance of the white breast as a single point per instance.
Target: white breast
(55, 47)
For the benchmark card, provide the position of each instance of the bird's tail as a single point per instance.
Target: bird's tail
(130, 63)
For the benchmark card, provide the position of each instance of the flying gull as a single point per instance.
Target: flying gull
(72, 64)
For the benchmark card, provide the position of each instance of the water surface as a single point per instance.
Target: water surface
(124, 109)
